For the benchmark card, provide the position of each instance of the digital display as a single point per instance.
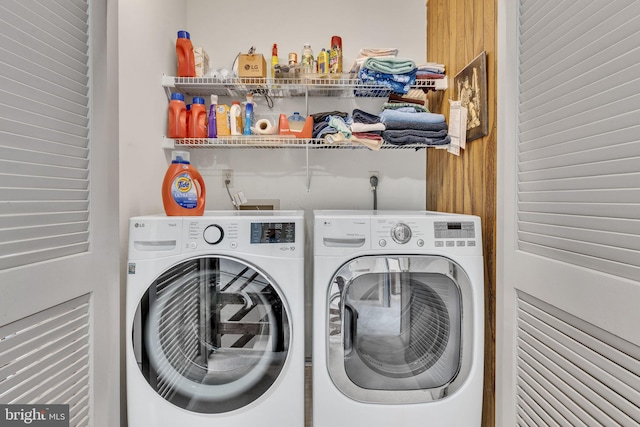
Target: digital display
(273, 232)
(454, 230)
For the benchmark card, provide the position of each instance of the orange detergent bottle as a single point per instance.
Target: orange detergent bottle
(197, 127)
(177, 127)
(183, 192)
(185, 55)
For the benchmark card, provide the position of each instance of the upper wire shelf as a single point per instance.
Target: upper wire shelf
(288, 87)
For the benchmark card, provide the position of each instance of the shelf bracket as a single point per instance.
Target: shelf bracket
(168, 82)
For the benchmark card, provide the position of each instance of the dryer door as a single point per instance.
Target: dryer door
(211, 334)
(395, 328)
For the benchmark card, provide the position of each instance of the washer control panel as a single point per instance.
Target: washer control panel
(401, 233)
(267, 237)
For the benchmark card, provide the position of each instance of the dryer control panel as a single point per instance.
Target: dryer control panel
(424, 233)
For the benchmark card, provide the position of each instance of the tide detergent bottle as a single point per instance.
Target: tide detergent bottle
(183, 192)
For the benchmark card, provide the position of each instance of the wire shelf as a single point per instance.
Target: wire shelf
(277, 142)
(288, 87)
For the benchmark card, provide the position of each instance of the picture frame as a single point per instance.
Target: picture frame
(470, 87)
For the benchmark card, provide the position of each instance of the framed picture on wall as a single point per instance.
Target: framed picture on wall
(470, 87)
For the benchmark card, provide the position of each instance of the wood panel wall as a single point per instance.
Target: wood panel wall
(457, 31)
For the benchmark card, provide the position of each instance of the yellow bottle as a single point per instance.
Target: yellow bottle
(323, 63)
(222, 120)
(274, 60)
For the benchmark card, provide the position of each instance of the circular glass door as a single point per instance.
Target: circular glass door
(211, 335)
(395, 326)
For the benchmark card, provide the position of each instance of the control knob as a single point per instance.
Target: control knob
(401, 233)
(213, 234)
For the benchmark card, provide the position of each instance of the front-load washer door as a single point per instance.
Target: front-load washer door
(211, 334)
(395, 328)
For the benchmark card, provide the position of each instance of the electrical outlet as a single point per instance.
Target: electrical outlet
(227, 175)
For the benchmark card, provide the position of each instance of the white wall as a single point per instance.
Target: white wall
(339, 178)
(146, 49)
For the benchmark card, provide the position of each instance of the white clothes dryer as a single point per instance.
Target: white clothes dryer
(215, 320)
(398, 319)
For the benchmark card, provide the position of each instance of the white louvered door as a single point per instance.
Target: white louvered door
(58, 209)
(568, 338)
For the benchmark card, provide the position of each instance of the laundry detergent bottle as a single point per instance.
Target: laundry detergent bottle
(183, 192)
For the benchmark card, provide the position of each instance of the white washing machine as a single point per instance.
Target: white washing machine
(398, 319)
(215, 320)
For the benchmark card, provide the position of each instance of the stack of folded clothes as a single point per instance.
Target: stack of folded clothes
(395, 73)
(430, 70)
(321, 126)
(359, 128)
(364, 54)
(407, 125)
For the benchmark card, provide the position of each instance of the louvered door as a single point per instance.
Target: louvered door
(569, 110)
(59, 280)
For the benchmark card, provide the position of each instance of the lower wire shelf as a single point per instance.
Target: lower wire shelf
(277, 142)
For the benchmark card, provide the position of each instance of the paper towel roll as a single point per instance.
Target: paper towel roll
(264, 127)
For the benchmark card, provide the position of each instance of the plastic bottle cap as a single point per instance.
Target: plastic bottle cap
(178, 96)
(235, 102)
(214, 99)
(184, 34)
(180, 157)
(198, 100)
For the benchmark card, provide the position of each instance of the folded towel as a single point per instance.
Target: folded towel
(431, 66)
(398, 83)
(373, 52)
(371, 143)
(410, 138)
(415, 126)
(390, 65)
(360, 116)
(404, 116)
(432, 134)
(367, 127)
(397, 105)
(425, 75)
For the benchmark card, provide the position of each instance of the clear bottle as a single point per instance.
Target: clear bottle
(306, 59)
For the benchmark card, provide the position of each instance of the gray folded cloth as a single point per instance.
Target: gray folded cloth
(417, 125)
(360, 116)
(409, 136)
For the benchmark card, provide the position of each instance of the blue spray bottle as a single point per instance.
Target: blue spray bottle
(248, 115)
